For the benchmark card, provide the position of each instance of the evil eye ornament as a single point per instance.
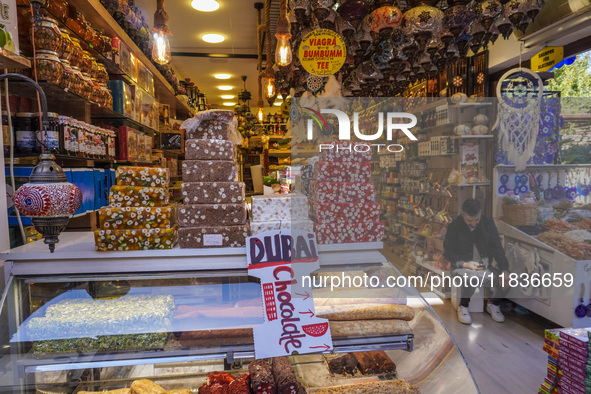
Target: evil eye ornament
(548, 158)
(585, 190)
(523, 179)
(294, 113)
(571, 193)
(523, 189)
(503, 189)
(558, 192)
(545, 131)
(538, 159)
(549, 194)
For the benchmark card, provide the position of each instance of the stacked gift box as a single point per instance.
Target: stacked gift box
(342, 197)
(551, 345)
(213, 213)
(139, 216)
(280, 211)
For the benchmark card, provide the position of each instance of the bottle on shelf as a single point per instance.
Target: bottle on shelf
(24, 135)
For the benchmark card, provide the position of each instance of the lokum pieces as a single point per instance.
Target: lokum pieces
(134, 196)
(210, 150)
(143, 239)
(336, 171)
(213, 192)
(212, 214)
(279, 207)
(123, 218)
(209, 171)
(345, 211)
(327, 191)
(142, 176)
(345, 151)
(146, 386)
(296, 224)
(352, 232)
(213, 237)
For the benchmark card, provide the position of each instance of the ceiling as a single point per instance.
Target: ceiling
(237, 21)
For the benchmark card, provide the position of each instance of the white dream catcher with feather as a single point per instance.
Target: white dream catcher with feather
(519, 93)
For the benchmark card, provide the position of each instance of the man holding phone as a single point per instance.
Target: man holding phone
(471, 245)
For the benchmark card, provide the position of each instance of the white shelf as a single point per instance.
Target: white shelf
(431, 268)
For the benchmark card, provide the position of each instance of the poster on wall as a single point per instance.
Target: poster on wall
(322, 52)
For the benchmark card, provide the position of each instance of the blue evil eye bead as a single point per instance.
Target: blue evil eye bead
(549, 194)
(538, 159)
(548, 158)
(585, 190)
(517, 180)
(503, 189)
(571, 193)
(504, 178)
(516, 190)
(558, 192)
(523, 179)
(545, 131)
(294, 113)
(580, 311)
(523, 189)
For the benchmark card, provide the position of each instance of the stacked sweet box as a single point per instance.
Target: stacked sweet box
(213, 213)
(573, 356)
(342, 197)
(280, 211)
(139, 216)
(551, 346)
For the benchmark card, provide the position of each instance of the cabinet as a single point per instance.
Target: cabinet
(189, 291)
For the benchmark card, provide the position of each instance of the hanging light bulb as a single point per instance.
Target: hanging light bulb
(161, 47)
(283, 54)
(269, 85)
(260, 114)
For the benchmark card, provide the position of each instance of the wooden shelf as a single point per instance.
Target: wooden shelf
(466, 137)
(12, 60)
(74, 161)
(279, 152)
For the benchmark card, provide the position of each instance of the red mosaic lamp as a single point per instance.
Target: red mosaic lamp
(48, 198)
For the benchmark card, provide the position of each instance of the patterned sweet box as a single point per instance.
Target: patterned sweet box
(123, 218)
(345, 151)
(349, 232)
(346, 211)
(210, 171)
(279, 207)
(213, 237)
(210, 129)
(142, 176)
(307, 171)
(134, 196)
(144, 239)
(210, 150)
(342, 171)
(213, 192)
(296, 224)
(323, 191)
(212, 214)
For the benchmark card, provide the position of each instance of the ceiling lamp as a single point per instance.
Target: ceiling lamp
(488, 11)
(225, 87)
(283, 54)
(213, 38)
(229, 104)
(244, 98)
(458, 16)
(423, 21)
(161, 47)
(222, 76)
(227, 96)
(270, 83)
(205, 5)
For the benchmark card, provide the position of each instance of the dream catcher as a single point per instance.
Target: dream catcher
(520, 93)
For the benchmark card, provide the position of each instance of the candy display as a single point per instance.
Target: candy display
(349, 232)
(375, 362)
(142, 176)
(124, 218)
(134, 196)
(372, 387)
(146, 386)
(326, 191)
(261, 377)
(296, 224)
(206, 237)
(342, 171)
(345, 151)
(155, 340)
(213, 192)
(285, 378)
(209, 150)
(142, 239)
(344, 211)
(207, 214)
(342, 364)
(279, 207)
(209, 171)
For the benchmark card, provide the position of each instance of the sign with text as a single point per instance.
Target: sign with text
(278, 258)
(322, 52)
(547, 58)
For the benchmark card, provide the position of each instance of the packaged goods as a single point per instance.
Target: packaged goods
(338, 232)
(279, 207)
(296, 224)
(135, 196)
(143, 239)
(142, 176)
(210, 150)
(345, 151)
(212, 214)
(327, 191)
(209, 171)
(335, 171)
(213, 192)
(124, 218)
(205, 237)
(346, 212)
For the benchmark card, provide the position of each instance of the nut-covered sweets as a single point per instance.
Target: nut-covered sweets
(47, 35)
(327, 191)
(336, 171)
(210, 150)
(213, 192)
(347, 211)
(279, 207)
(339, 232)
(210, 171)
(142, 176)
(213, 237)
(209, 214)
(212, 129)
(49, 67)
(133, 196)
(295, 224)
(123, 218)
(141, 239)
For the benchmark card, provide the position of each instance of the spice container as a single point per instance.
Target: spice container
(59, 9)
(47, 36)
(66, 46)
(67, 81)
(65, 134)
(98, 43)
(49, 67)
(24, 133)
(50, 136)
(76, 57)
(89, 34)
(102, 76)
(77, 81)
(81, 128)
(86, 63)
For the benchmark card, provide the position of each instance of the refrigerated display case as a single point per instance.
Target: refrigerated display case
(80, 320)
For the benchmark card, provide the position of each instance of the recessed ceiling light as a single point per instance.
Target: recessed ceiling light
(228, 96)
(229, 104)
(278, 104)
(225, 87)
(213, 38)
(205, 5)
(222, 76)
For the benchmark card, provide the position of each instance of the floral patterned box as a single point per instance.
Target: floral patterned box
(212, 214)
(133, 196)
(279, 207)
(124, 218)
(142, 176)
(213, 192)
(296, 224)
(142, 239)
(336, 171)
(349, 232)
(326, 191)
(213, 237)
(345, 211)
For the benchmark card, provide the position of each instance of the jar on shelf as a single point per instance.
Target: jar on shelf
(78, 81)
(50, 136)
(76, 57)
(96, 94)
(87, 87)
(24, 134)
(64, 132)
(66, 46)
(48, 36)
(49, 67)
(86, 63)
(102, 75)
(59, 9)
(97, 41)
(67, 81)
(81, 128)
(94, 69)
(78, 25)
(106, 46)
(89, 34)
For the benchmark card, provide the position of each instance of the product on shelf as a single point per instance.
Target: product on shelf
(285, 379)
(146, 386)
(135, 239)
(48, 66)
(209, 150)
(204, 237)
(261, 377)
(388, 311)
(125, 218)
(296, 224)
(342, 171)
(327, 191)
(240, 385)
(347, 212)
(128, 148)
(345, 151)
(206, 214)
(142, 176)
(209, 129)
(362, 328)
(209, 171)
(135, 196)
(118, 391)
(222, 337)
(374, 362)
(344, 363)
(279, 207)
(372, 387)
(213, 192)
(340, 231)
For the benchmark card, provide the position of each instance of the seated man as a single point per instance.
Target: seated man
(471, 243)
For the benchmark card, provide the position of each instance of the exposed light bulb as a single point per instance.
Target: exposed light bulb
(270, 87)
(161, 48)
(260, 114)
(283, 54)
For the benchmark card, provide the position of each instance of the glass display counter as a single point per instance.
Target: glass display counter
(174, 322)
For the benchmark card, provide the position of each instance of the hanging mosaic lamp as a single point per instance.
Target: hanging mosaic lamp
(355, 10)
(488, 11)
(504, 26)
(514, 11)
(301, 8)
(423, 21)
(383, 21)
(344, 28)
(534, 7)
(329, 22)
(458, 16)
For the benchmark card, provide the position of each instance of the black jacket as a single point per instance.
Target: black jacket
(459, 243)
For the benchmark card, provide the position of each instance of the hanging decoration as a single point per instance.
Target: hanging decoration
(161, 46)
(283, 54)
(260, 27)
(269, 74)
